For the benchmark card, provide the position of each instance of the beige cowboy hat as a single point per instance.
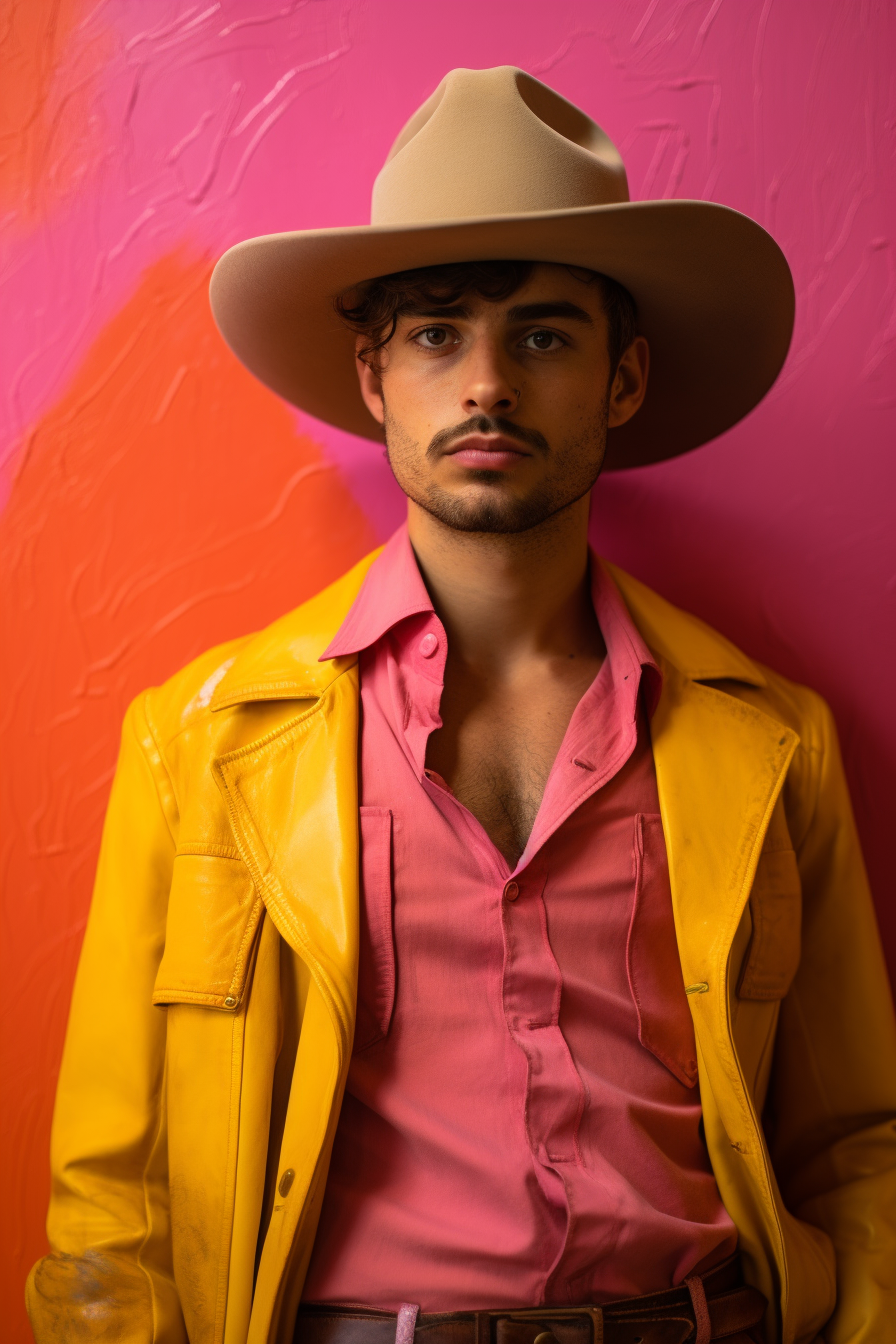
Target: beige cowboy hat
(495, 165)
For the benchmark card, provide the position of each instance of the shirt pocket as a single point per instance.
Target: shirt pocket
(214, 914)
(776, 911)
(376, 951)
(665, 1026)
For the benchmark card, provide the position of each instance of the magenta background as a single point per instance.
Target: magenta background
(200, 124)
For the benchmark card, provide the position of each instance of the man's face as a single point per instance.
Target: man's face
(496, 413)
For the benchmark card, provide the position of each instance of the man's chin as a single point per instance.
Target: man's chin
(491, 515)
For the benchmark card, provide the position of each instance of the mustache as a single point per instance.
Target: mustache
(487, 424)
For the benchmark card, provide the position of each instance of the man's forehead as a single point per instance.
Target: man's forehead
(555, 278)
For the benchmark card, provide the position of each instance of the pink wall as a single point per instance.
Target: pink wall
(157, 500)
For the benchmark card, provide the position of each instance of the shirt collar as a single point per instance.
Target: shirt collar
(625, 646)
(393, 590)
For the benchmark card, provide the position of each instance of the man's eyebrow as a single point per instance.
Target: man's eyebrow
(435, 311)
(536, 312)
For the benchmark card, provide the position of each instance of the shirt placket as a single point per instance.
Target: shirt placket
(555, 1097)
(532, 987)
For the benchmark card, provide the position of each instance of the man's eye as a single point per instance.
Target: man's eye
(431, 338)
(543, 340)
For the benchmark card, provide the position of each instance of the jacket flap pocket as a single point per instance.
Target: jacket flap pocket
(213, 916)
(775, 908)
(376, 953)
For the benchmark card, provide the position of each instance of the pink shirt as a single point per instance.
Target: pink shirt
(521, 1121)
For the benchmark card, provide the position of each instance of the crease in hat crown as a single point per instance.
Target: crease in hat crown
(495, 142)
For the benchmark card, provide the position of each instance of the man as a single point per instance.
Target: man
(589, 1037)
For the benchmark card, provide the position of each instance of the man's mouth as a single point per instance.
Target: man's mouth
(492, 452)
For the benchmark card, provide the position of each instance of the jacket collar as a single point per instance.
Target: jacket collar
(283, 662)
(696, 650)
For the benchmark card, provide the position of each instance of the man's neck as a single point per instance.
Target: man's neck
(510, 598)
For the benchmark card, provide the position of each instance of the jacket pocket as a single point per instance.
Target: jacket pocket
(376, 952)
(775, 909)
(214, 915)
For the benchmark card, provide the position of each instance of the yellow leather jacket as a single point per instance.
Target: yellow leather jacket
(213, 1012)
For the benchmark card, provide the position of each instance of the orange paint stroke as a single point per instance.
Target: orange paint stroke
(50, 131)
(166, 503)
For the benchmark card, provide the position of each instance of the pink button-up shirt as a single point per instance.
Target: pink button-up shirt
(521, 1121)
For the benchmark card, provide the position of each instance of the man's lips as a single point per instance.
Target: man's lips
(492, 451)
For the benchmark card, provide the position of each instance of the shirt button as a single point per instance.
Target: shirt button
(428, 644)
(511, 891)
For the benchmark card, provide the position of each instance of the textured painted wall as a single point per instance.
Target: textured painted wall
(157, 500)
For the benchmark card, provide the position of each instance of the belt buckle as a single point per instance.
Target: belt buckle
(594, 1314)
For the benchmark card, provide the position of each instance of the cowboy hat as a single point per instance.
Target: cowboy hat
(495, 165)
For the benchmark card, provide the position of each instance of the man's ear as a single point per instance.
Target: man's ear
(371, 387)
(630, 384)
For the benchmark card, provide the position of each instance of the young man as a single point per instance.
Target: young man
(484, 950)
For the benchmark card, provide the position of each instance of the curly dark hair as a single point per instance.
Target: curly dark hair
(373, 309)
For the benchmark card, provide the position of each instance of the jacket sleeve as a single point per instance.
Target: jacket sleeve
(108, 1274)
(834, 1085)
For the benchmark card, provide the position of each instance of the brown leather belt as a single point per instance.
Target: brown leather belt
(711, 1306)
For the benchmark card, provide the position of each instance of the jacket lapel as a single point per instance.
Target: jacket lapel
(720, 766)
(292, 794)
(293, 804)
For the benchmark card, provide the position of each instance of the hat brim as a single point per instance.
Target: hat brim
(714, 294)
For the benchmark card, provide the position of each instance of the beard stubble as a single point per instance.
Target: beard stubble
(575, 467)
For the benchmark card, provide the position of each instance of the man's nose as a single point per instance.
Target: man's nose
(486, 388)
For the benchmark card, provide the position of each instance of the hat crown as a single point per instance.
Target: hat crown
(495, 142)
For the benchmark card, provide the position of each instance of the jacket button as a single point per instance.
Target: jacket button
(286, 1181)
(511, 891)
(230, 1002)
